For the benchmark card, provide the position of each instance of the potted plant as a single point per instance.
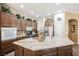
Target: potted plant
(18, 16)
(34, 20)
(28, 19)
(5, 10)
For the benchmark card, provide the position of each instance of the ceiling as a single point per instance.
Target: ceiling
(44, 9)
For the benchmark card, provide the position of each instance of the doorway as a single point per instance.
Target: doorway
(73, 30)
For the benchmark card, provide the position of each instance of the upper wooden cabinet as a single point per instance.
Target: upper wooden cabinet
(21, 24)
(12, 20)
(34, 25)
(7, 20)
(29, 23)
(18, 22)
(4, 19)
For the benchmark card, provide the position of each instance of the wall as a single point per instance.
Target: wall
(59, 24)
(68, 16)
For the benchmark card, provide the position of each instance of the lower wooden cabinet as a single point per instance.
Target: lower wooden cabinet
(69, 52)
(50, 51)
(7, 46)
(59, 51)
(8, 50)
(51, 54)
(19, 50)
(65, 51)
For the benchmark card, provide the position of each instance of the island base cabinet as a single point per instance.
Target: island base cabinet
(65, 51)
(18, 51)
(44, 52)
(59, 51)
(51, 54)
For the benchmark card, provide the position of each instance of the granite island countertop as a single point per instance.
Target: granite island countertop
(34, 44)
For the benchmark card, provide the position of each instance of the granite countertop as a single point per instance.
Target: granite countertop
(21, 35)
(34, 44)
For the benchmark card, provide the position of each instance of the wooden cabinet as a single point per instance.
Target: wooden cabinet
(7, 46)
(47, 52)
(19, 50)
(65, 51)
(4, 19)
(21, 25)
(29, 23)
(18, 24)
(12, 20)
(34, 25)
(58, 51)
(7, 20)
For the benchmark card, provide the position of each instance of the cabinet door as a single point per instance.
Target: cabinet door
(65, 51)
(12, 20)
(8, 20)
(29, 23)
(4, 19)
(69, 52)
(23, 25)
(18, 51)
(34, 25)
(18, 24)
(61, 52)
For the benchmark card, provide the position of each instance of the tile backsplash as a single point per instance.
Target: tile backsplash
(21, 32)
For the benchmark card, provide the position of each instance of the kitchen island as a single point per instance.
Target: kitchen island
(56, 46)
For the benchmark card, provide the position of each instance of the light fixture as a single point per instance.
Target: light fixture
(22, 6)
(48, 13)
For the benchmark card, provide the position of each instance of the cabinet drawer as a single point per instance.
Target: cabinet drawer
(51, 54)
(65, 47)
(61, 53)
(46, 51)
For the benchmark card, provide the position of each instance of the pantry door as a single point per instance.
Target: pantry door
(73, 30)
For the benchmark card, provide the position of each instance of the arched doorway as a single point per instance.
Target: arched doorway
(73, 30)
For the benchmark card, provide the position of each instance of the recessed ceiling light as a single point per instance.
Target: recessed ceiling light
(31, 12)
(22, 6)
(48, 13)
